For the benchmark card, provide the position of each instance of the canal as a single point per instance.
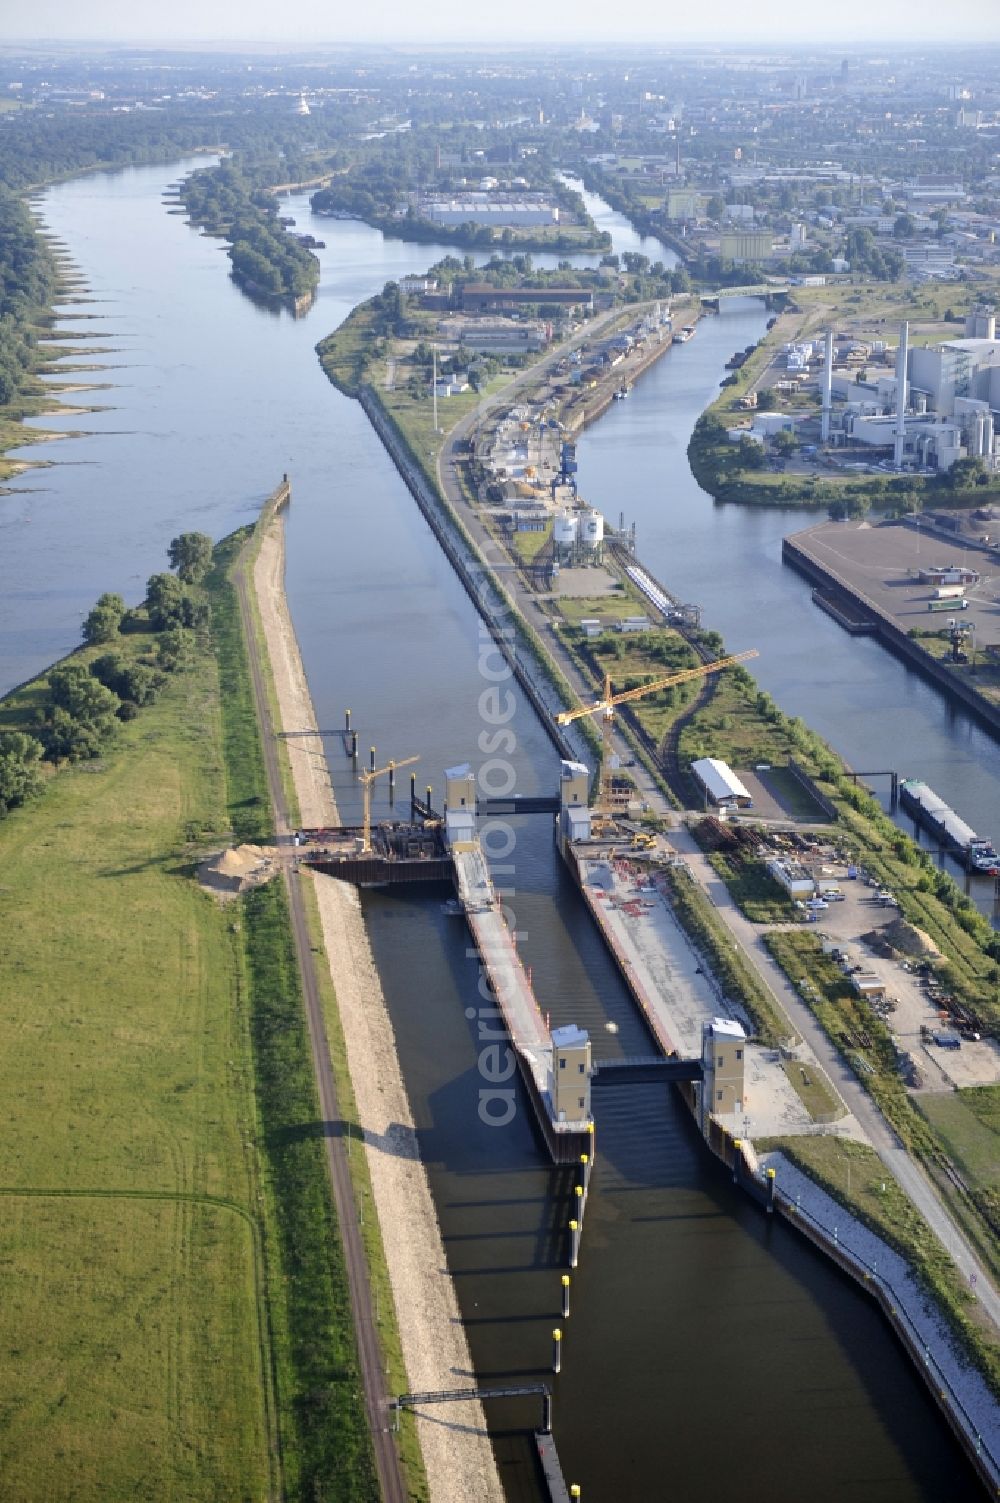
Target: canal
(707, 1347)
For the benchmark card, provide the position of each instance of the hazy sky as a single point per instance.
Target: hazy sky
(849, 25)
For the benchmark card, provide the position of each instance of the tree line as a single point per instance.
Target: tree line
(84, 703)
(27, 282)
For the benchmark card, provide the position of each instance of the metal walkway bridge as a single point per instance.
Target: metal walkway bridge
(520, 803)
(759, 289)
(639, 1069)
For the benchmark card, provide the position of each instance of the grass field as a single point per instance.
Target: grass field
(968, 1123)
(128, 1365)
(528, 545)
(124, 1067)
(576, 608)
(813, 1090)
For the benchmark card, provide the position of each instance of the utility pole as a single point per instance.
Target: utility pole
(434, 385)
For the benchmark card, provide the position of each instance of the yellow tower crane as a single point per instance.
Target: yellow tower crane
(367, 779)
(605, 707)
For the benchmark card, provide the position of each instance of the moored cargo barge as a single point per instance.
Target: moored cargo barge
(930, 811)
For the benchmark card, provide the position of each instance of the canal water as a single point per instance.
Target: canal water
(707, 1346)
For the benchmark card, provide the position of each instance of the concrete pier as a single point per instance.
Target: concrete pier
(871, 574)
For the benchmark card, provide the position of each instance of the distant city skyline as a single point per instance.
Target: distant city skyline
(854, 25)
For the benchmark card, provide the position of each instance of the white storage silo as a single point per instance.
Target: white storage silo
(592, 531)
(566, 529)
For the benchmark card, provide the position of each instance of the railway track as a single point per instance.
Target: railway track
(390, 1476)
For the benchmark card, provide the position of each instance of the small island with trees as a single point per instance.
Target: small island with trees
(234, 202)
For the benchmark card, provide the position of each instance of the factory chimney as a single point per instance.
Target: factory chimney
(904, 339)
(827, 388)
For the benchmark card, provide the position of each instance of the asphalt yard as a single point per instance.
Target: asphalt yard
(883, 564)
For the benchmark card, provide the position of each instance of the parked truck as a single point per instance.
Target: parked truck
(948, 604)
(949, 592)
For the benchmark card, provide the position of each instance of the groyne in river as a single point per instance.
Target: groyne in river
(691, 1311)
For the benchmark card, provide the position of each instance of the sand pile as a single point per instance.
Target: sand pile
(906, 939)
(234, 870)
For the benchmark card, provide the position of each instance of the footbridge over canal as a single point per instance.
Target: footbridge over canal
(644, 1069)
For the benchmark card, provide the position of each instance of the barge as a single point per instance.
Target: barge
(927, 809)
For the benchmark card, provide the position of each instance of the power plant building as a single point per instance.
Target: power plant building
(942, 404)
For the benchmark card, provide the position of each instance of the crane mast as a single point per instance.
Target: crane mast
(367, 779)
(605, 707)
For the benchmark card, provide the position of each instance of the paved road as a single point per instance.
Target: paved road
(390, 1474)
(890, 1150)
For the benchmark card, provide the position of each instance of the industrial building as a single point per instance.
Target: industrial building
(481, 297)
(496, 336)
(746, 245)
(720, 783)
(796, 879)
(487, 208)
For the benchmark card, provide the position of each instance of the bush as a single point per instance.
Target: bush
(134, 683)
(104, 622)
(19, 776)
(80, 717)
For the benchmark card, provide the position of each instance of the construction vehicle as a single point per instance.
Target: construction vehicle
(605, 707)
(367, 779)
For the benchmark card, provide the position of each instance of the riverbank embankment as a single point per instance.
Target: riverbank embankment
(960, 1392)
(458, 1458)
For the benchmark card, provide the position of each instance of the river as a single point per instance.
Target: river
(708, 1348)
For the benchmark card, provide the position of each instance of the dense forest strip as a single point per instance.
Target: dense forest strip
(29, 279)
(231, 200)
